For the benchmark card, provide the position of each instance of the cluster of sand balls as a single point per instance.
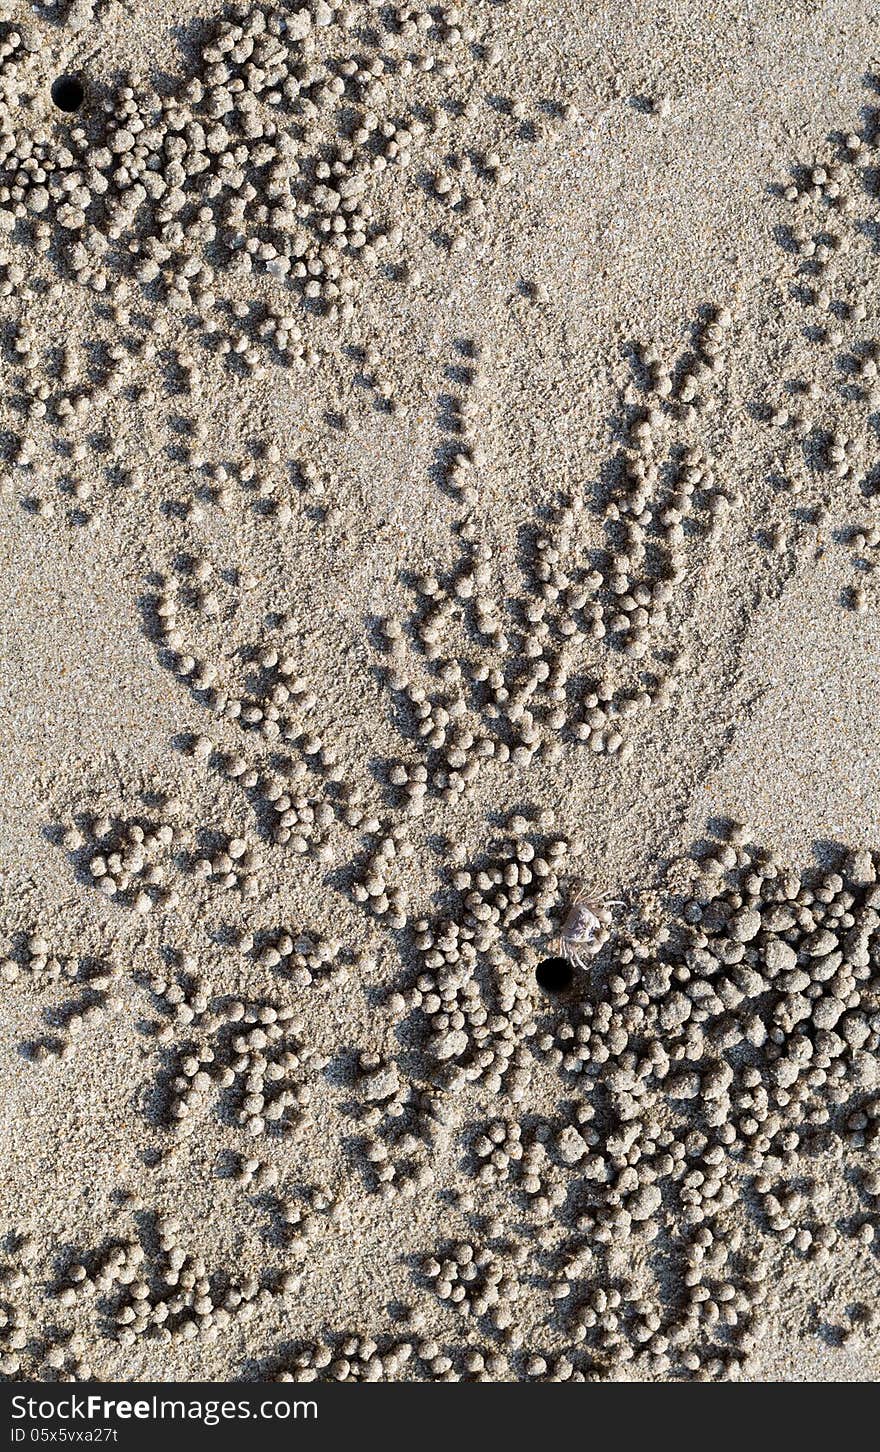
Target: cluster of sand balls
(499, 676)
(508, 901)
(403, 1126)
(91, 472)
(409, 1353)
(534, 1159)
(497, 1150)
(71, 1026)
(863, 542)
(689, 393)
(726, 1057)
(131, 860)
(170, 1296)
(354, 1357)
(298, 798)
(826, 403)
(266, 478)
(194, 615)
(296, 795)
(617, 1326)
(496, 705)
(29, 1351)
(668, 481)
(307, 958)
(462, 460)
(13, 1334)
(377, 883)
(32, 962)
(247, 187)
(478, 1280)
(235, 867)
(275, 155)
(247, 1055)
(305, 1223)
(301, 811)
(723, 1059)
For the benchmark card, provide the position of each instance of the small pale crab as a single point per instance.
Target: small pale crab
(585, 925)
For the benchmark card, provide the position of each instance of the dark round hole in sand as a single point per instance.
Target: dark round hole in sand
(554, 975)
(68, 93)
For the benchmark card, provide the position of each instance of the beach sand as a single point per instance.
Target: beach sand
(464, 428)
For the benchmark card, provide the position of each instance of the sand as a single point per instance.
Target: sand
(631, 222)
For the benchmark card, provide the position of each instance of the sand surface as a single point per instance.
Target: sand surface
(266, 531)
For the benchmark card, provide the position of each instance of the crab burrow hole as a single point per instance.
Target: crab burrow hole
(68, 93)
(554, 975)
